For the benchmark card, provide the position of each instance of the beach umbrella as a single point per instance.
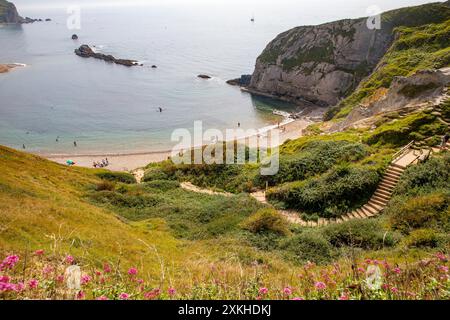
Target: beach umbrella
(70, 162)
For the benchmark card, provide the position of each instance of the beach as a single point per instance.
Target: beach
(132, 161)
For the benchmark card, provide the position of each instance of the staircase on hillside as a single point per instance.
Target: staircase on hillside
(401, 160)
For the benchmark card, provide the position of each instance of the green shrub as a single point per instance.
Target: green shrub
(266, 221)
(161, 185)
(425, 177)
(366, 234)
(428, 211)
(422, 238)
(308, 246)
(315, 157)
(330, 195)
(123, 177)
(105, 186)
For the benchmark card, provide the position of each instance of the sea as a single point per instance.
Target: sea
(59, 98)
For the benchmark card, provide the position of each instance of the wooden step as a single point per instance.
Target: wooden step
(388, 183)
(380, 203)
(381, 197)
(397, 166)
(344, 218)
(362, 214)
(386, 188)
(389, 179)
(383, 192)
(366, 212)
(375, 206)
(355, 215)
(395, 169)
(371, 211)
(392, 176)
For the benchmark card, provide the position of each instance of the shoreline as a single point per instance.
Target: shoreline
(135, 160)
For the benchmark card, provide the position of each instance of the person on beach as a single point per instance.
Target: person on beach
(23, 146)
(239, 124)
(74, 143)
(160, 109)
(57, 139)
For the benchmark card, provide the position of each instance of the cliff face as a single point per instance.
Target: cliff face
(8, 13)
(324, 63)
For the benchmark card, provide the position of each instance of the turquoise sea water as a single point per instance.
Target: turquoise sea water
(113, 108)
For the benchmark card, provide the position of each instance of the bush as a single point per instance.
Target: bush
(266, 221)
(428, 211)
(308, 246)
(330, 195)
(105, 186)
(161, 185)
(155, 173)
(316, 157)
(123, 177)
(366, 234)
(425, 177)
(422, 238)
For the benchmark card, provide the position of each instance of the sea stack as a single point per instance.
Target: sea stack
(86, 52)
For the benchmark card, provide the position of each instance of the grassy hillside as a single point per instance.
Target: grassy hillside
(414, 48)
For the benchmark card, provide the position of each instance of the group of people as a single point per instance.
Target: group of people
(101, 164)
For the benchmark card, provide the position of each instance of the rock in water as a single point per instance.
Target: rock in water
(243, 81)
(203, 76)
(86, 52)
(74, 37)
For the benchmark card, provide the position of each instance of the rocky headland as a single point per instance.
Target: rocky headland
(85, 51)
(325, 63)
(9, 14)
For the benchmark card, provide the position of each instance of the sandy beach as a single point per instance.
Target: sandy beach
(132, 161)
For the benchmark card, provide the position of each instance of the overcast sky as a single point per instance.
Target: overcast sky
(384, 4)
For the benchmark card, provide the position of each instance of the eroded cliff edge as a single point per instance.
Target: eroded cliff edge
(323, 64)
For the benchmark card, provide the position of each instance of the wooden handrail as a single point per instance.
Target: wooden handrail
(402, 150)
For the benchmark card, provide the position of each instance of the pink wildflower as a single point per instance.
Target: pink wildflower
(132, 271)
(39, 252)
(171, 291)
(69, 259)
(80, 295)
(102, 298)
(60, 278)
(263, 290)
(397, 270)
(107, 268)
(344, 297)
(441, 256)
(297, 298)
(47, 269)
(443, 269)
(287, 291)
(4, 279)
(33, 284)
(394, 290)
(124, 296)
(320, 285)
(9, 262)
(85, 279)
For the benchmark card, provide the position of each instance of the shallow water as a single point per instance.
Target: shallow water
(113, 108)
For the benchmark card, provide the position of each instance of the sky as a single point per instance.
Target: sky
(388, 4)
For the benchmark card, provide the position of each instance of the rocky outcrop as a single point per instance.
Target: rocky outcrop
(9, 14)
(324, 63)
(404, 93)
(243, 81)
(203, 76)
(74, 37)
(86, 52)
